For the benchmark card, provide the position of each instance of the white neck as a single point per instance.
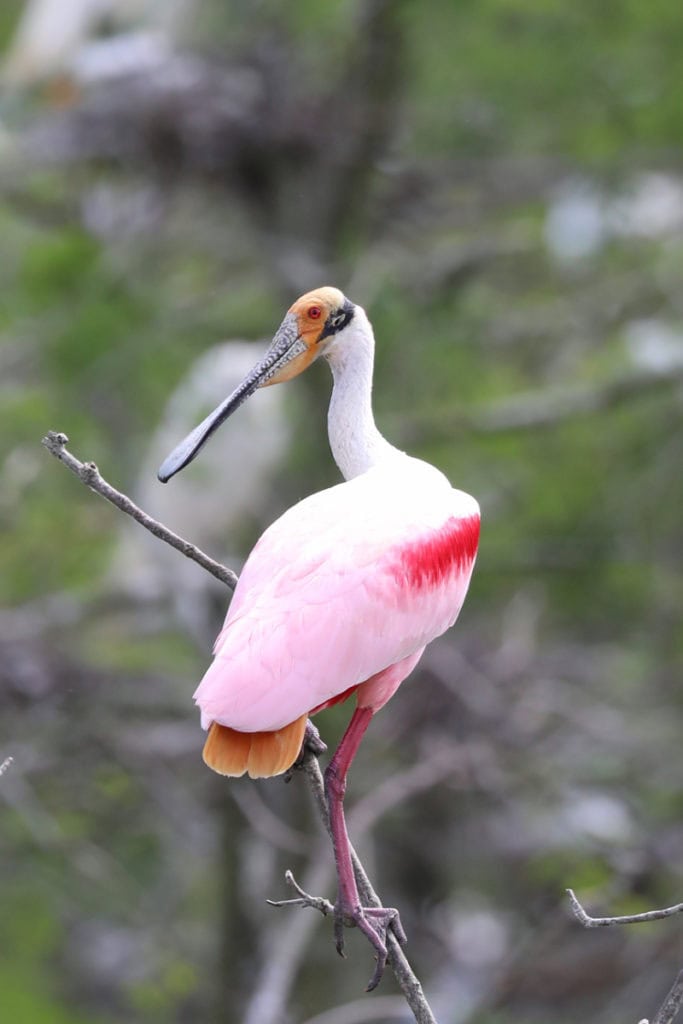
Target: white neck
(356, 443)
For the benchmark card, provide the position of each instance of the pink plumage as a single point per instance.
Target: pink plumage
(342, 587)
(341, 594)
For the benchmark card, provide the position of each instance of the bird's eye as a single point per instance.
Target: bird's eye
(314, 312)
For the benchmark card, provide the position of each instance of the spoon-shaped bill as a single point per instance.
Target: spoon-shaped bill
(285, 347)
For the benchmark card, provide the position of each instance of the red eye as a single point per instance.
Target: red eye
(314, 312)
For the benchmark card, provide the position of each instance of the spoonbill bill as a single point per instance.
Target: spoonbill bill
(149, 572)
(342, 593)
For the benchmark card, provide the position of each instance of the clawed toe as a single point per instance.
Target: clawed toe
(313, 740)
(391, 919)
(374, 922)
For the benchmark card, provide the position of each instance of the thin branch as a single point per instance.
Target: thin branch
(5, 765)
(304, 899)
(89, 474)
(671, 1006)
(605, 922)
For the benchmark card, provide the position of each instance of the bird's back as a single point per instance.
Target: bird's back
(344, 584)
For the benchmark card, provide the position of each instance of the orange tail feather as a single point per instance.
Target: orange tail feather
(261, 754)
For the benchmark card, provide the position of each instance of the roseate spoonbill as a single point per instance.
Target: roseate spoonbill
(342, 593)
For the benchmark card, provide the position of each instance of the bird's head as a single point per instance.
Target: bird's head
(310, 326)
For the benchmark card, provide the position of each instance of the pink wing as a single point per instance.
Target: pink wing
(343, 585)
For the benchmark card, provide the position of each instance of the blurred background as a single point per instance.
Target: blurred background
(500, 183)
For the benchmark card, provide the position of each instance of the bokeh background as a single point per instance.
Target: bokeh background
(500, 183)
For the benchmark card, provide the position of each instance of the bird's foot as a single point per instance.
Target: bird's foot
(375, 923)
(312, 740)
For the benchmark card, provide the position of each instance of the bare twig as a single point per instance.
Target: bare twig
(89, 474)
(671, 1006)
(605, 922)
(5, 765)
(304, 899)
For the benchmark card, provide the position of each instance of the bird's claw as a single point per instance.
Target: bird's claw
(374, 922)
(313, 740)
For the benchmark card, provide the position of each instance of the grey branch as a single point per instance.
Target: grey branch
(5, 765)
(304, 899)
(605, 922)
(671, 1006)
(89, 474)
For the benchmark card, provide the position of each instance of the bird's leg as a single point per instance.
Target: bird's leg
(372, 921)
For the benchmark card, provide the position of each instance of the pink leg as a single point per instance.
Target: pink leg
(372, 921)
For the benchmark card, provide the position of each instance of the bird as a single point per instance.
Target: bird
(341, 594)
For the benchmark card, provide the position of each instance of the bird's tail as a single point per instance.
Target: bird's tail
(261, 754)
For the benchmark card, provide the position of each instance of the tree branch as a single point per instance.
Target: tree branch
(605, 922)
(671, 1006)
(88, 473)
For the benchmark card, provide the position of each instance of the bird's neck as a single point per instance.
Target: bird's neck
(356, 443)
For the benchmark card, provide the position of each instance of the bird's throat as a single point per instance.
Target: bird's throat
(356, 443)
